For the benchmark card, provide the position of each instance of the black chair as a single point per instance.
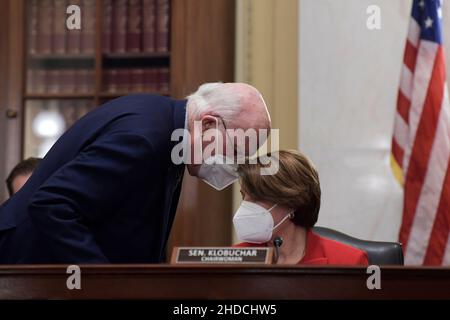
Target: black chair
(379, 253)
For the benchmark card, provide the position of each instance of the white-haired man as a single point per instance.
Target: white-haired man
(108, 189)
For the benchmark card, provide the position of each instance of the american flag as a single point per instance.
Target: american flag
(421, 141)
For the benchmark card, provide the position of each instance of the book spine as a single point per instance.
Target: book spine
(74, 36)
(82, 81)
(134, 26)
(123, 80)
(45, 27)
(90, 80)
(59, 27)
(119, 23)
(33, 27)
(31, 80)
(137, 80)
(41, 81)
(163, 82)
(107, 26)
(68, 81)
(162, 25)
(148, 25)
(54, 80)
(150, 80)
(88, 27)
(110, 80)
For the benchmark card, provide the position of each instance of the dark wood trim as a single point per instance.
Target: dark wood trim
(20, 16)
(98, 50)
(4, 66)
(178, 48)
(12, 67)
(223, 282)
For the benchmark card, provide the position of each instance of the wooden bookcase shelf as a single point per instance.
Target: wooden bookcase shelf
(104, 71)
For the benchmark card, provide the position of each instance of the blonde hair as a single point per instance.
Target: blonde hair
(296, 185)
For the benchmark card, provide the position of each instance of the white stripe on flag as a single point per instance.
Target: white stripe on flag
(406, 82)
(414, 32)
(401, 131)
(422, 75)
(432, 188)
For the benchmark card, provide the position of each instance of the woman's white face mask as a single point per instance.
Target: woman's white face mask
(254, 223)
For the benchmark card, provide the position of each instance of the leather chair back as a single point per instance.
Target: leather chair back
(379, 253)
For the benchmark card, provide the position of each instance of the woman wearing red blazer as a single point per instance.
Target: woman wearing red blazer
(286, 204)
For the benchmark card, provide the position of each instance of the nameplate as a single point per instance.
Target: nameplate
(221, 255)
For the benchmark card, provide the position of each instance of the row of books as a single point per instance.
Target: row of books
(135, 26)
(136, 80)
(129, 26)
(60, 81)
(82, 81)
(48, 33)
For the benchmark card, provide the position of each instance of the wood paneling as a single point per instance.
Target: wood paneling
(202, 43)
(12, 85)
(4, 56)
(202, 51)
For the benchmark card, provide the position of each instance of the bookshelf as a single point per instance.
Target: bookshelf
(121, 48)
(200, 48)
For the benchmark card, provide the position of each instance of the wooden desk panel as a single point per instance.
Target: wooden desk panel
(222, 282)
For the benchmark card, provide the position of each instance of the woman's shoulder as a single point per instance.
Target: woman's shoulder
(340, 253)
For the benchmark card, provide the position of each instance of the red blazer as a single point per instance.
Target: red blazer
(320, 250)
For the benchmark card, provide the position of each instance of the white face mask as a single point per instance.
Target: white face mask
(217, 173)
(254, 223)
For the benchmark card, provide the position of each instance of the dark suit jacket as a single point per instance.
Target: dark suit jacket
(106, 192)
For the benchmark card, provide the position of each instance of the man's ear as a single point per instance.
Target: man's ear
(208, 122)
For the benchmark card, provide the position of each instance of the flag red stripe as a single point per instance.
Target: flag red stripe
(403, 106)
(410, 56)
(441, 226)
(397, 152)
(423, 142)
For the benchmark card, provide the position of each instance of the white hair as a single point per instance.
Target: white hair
(216, 98)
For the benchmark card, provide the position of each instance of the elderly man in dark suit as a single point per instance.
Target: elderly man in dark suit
(108, 189)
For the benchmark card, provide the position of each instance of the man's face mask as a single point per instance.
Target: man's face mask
(218, 171)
